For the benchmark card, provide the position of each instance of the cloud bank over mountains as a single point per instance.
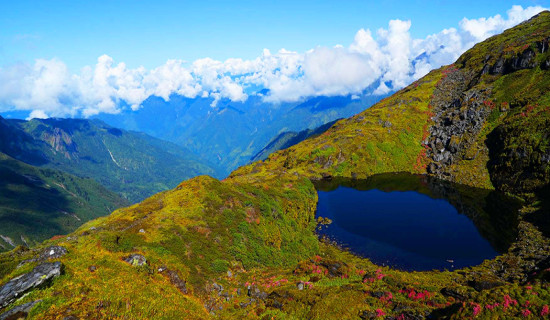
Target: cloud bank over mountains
(388, 57)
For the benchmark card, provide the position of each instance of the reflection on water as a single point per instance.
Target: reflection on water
(416, 222)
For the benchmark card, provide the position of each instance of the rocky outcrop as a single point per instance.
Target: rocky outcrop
(38, 276)
(60, 141)
(458, 116)
(19, 312)
(52, 252)
(175, 279)
(505, 65)
(518, 165)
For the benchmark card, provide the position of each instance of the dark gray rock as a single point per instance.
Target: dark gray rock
(217, 287)
(19, 312)
(18, 286)
(459, 115)
(175, 279)
(256, 293)
(136, 260)
(247, 303)
(481, 285)
(455, 293)
(52, 252)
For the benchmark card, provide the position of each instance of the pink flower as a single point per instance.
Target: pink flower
(477, 309)
(379, 274)
(380, 313)
(526, 313)
(544, 311)
(509, 301)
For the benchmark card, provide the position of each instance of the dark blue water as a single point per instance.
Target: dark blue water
(416, 229)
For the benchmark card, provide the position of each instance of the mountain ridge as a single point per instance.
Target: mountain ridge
(129, 163)
(229, 133)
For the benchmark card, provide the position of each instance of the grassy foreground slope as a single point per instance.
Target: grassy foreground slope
(245, 247)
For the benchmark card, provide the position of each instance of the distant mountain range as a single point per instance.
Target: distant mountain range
(131, 164)
(231, 133)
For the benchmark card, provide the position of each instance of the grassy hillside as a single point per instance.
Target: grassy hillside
(245, 247)
(36, 204)
(132, 164)
(288, 139)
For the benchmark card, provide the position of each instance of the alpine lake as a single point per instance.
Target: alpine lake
(416, 222)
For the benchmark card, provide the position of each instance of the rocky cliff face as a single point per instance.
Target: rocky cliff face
(61, 142)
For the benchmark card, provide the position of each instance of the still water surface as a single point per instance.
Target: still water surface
(415, 222)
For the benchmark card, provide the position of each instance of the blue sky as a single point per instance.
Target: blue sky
(147, 33)
(81, 58)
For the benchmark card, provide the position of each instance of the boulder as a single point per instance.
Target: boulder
(136, 260)
(18, 286)
(19, 312)
(52, 252)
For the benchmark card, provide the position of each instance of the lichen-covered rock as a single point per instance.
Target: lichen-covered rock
(18, 286)
(136, 260)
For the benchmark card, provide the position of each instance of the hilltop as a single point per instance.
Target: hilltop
(246, 247)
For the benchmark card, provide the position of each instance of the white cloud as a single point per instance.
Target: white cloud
(389, 57)
(38, 114)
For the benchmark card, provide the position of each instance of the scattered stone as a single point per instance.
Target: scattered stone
(18, 286)
(52, 252)
(277, 299)
(141, 231)
(175, 279)
(255, 292)
(335, 268)
(136, 260)
(92, 268)
(481, 285)
(247, 303)
(19, 312)
(217, 287)
(102, 304)
(455, 293)
(229, 274)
